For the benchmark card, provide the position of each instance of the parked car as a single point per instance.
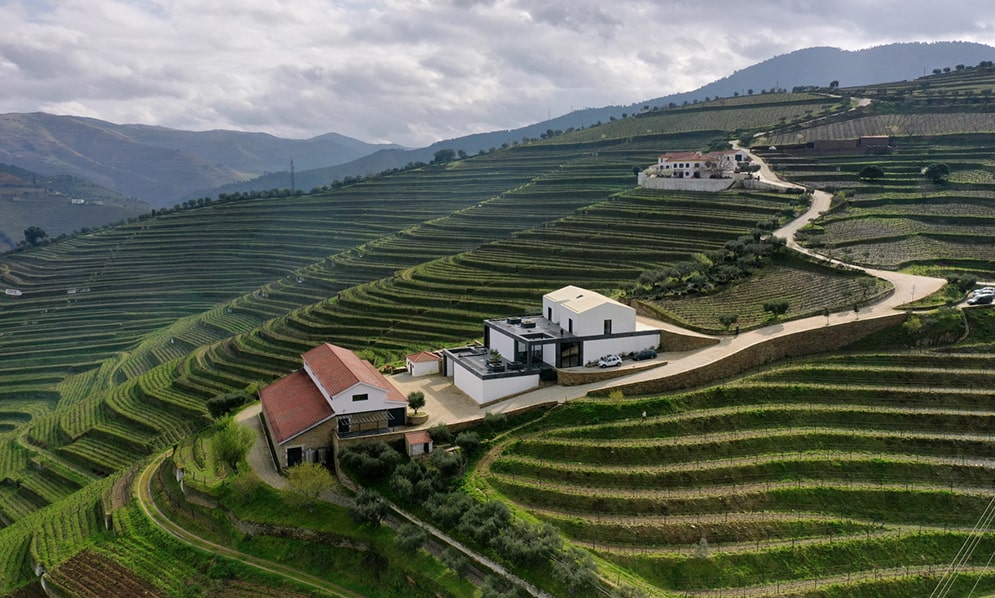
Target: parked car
(985, 299)
(644, 354)
(609, 361)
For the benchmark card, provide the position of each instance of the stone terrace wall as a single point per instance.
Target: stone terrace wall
(807, 342)
(674, 184)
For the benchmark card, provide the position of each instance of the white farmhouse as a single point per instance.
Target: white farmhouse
(696, 165)
(695, 171)
(335, 392)
(576, 326)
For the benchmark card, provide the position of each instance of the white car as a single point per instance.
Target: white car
(973, 296)
(609, 361)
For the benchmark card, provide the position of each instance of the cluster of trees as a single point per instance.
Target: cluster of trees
(34, 236)
(944, 325)
(937, 172)
(705, 272)
(432, 484)
(984, 64)
(231, 442)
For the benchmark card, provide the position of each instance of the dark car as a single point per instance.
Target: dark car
(981, 299)
(644, 354)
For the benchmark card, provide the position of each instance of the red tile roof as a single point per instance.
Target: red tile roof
(696, 156)
(418, 437)
(338, 369)
(423, 356)
(292, 405)
(682, 156)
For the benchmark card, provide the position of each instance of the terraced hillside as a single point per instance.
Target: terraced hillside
(121, 336)
(902, 219)
(861, 474)
(118, 385)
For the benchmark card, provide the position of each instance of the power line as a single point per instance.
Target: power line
(963, 555)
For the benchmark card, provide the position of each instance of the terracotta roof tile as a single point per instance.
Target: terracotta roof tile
(423, 356)
(418, 437)
(293, 404)
(338, 369)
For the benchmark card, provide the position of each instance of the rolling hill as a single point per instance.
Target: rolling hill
(163, 166)
(30, 199)
(157, 165)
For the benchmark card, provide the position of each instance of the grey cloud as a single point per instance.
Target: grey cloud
(413, 73)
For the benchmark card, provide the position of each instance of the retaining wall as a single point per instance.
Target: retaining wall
(806, 342)
(675, 184)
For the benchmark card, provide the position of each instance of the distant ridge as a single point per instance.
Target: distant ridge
(165, 166)
(156, 164)
(810, 66)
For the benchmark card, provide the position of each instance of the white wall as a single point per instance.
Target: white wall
(498, 388)
(591, 322)
(505, 345)
(468, 383)
(687, 184)
(423, 368)
(485, 391)
(549, 354)
(343, 404)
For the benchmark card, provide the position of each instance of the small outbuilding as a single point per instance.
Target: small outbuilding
(418, 443)
(423, 363)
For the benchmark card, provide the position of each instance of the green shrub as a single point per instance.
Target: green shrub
(370, 462)
(468, 441)
(441, 434)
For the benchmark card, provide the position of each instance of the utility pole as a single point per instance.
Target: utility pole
(293, 187)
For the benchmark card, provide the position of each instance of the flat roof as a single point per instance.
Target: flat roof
(526, 327)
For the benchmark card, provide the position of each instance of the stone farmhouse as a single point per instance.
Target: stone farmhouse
(335, 393)
(576, 326)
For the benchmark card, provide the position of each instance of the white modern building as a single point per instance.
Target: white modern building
(576, 326)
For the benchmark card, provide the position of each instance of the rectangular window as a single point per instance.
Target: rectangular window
(570, 324)
(608, 326)
(362, 397)
(549, 314)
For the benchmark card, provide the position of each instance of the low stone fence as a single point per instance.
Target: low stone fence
(690, 184)
(806, 342)
(589, 375)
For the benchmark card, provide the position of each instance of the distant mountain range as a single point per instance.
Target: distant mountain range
(810, 66)
(159, 165)
(165, 166)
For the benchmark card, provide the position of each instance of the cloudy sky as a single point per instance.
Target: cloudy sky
(415, 71)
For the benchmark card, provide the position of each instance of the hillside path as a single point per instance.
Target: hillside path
(146, 501)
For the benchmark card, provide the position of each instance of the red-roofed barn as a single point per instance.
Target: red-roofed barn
(335, 393)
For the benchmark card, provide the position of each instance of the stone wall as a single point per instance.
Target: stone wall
(807, 342)
(253, 528)
(589, 375)
(675, 184)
